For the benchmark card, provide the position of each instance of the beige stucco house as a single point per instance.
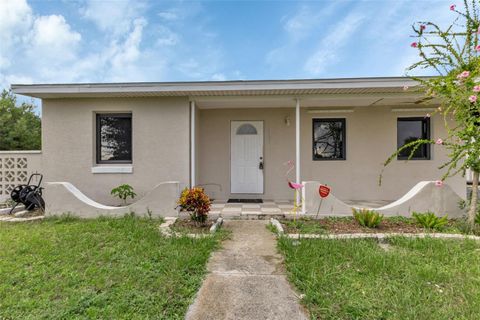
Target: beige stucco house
(234, 137)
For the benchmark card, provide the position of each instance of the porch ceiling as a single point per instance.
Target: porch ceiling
(310, 101)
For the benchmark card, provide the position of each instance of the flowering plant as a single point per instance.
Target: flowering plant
(454, 54)
(196, 202)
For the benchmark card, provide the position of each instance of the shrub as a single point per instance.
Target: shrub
(123, 192)
(367, 218)
(466, 228)
(429, 220)
(196, 202)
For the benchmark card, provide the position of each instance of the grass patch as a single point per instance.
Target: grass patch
(309, 226)
(63, 268)
(356, 279)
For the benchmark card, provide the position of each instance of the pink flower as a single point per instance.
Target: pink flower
(477, 48)
(439, 141)
(438, 183)
(476, 88)
(414, 45)
(463, 75)
(472, 98)
(452, 7)
(428, 115)
(423, 27)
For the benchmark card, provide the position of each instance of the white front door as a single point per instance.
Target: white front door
(246, 157)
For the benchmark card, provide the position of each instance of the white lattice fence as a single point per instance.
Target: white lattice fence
(15, 168)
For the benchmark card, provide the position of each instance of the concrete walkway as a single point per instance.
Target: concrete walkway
(246, 279)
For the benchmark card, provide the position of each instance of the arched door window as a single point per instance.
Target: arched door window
(245, 129)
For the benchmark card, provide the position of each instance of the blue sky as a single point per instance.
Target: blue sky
(136, 40)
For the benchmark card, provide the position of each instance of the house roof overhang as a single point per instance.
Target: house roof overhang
(212, 94)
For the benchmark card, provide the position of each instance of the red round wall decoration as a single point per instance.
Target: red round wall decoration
(324, 191)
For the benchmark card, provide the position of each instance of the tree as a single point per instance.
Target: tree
(20, 126)
(454, 54)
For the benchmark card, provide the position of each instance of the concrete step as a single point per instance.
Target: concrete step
(7, 210)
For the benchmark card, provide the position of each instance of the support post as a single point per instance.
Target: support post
(192, 144)
(297, 147)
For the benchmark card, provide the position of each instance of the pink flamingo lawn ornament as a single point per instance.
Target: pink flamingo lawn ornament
(296, 187)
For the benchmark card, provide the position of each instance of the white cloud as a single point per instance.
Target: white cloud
(129, 47)
(306, 19)
(299, 28)
(15, 20)
(128, 52)
(32, 44)
(330, 46)
(53, 39)
(113, 16)
(169, 15)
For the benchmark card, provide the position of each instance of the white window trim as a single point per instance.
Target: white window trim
(112, 169)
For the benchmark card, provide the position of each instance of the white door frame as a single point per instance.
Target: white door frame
(262, 150)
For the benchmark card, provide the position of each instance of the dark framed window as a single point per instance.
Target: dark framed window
(412, 129)
(114, 137)
(329, 139)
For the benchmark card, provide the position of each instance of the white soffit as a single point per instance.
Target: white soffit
(354, 86)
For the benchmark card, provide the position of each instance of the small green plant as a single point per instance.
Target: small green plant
(123, 192)
(196, 203)
(367, 218)
(464, 227)
(429, 220)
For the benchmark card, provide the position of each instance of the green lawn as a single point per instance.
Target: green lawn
(413, 279)
(105, 268)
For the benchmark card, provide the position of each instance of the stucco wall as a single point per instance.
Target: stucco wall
(371, 136)
(214, 150)
(160, 143)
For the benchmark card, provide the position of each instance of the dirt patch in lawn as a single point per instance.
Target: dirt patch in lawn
(188, 226)
(340, 226)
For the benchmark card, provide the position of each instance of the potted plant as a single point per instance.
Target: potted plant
(196, 203)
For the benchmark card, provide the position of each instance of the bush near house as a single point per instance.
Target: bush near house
(429, 220)
(196, 203)
(107, 268)
(367, 218)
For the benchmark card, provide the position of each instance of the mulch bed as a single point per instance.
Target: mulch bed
(188, 226)
(339, 226)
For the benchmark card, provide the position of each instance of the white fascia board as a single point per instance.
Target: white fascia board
(189, 87)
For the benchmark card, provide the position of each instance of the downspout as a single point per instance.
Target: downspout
(192, 144)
